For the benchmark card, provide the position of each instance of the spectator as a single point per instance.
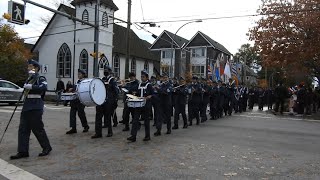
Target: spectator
(59, 89)
(68, 89)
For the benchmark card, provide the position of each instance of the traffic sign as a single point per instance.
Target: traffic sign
(17, 12)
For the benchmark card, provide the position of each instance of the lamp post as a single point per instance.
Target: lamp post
(171, 68)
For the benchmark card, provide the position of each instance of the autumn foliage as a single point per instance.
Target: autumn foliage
(288, 35)
(13, 55)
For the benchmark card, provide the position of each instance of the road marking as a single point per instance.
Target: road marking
(13, 172)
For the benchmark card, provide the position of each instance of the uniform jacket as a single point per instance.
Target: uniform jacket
(38, 88)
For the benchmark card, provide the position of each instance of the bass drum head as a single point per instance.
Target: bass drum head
(97, 91)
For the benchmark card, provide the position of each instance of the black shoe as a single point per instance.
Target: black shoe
(19, 156)
(126, 129)
(96, 136)
(109, 135)
(72, 131)
(132, 139)
(198, 123)
(190, 124)
(45, 152)
(169, 131)
(202, 121)
(121, 122)
(146, 139)
(104, 126)
(185, 126)
(175, 127)
(157, 133)
(115, 125)
(86, 129)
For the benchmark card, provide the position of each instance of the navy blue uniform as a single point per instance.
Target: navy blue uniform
(222, 98)
(214, 102)
(195, 101)
(180, 105)
(165, 92)
(145, 89)
(31, 116)
(77, 106)
(132, 88)
(205, 101)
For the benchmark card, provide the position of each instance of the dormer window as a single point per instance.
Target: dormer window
(85, 16)
(105, 19)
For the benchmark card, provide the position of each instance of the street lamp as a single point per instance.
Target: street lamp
(171, 68)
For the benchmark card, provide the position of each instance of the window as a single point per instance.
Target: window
(198, 70)
(105, 19)
(146, 66)
(183, 54)
(166, 54)
(103, 62)
(7, 85)
(133, 65)
(85, 16)
(83, 62)
(198, 52)
(64, 61)
(116, 66)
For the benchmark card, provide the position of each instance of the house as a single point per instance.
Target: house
(170, 49)
(204, 52)
(64, 46)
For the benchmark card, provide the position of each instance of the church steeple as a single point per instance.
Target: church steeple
(108, 3)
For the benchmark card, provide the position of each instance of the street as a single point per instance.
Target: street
(251, 145)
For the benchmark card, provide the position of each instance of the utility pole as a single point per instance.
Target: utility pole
(128, 40)
(96, 39)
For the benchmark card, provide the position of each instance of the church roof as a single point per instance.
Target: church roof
(108, 3)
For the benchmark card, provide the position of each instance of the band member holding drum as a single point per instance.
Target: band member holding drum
(106, 109)
(31, 114)
(77, 106)
(146, 91)
(132, 87)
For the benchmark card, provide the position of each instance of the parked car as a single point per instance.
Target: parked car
(9, 92)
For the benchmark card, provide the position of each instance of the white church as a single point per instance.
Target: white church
(65, 45)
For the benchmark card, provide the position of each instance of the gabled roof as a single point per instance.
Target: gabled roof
(63, 7)
(138, 47)
(177, 40)
(212, 42)
(108, 3)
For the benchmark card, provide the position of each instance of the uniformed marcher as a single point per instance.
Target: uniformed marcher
(222, 97)
(77, 106)
(145, 89)
(195, 100)
(205, 99)
(165, 92)
(132, 88)
(181, 92)
(155, 100)
(31, 113)
(107, 109)
(231, 98)
(252, 94)
(214, 101)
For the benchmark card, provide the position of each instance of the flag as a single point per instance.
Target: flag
(217, 69)
(209, 70)
(221, 67)
(227, 71)
(234, 70)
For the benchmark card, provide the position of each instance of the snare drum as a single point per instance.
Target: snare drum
(136, 103)
(91, 92)
(68, 96)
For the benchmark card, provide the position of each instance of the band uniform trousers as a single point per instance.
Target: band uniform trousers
(32, 121)
(142, 112)
(77, 106)
(105, 111)
(164, 113)
(180, 109)
(203, 107)
(126, 114)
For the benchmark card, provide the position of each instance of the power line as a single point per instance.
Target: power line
(57, 33)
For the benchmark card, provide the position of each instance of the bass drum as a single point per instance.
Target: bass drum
(91, 92)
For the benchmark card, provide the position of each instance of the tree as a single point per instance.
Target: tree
(288, 35)
(13, 55)
(249, 53)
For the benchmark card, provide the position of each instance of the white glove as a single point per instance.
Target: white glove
(27, 86)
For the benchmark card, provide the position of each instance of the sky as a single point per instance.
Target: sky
(230, 32)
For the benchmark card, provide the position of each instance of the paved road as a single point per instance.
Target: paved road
(251, 145)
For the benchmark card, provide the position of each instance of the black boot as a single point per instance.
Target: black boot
(132, 139)
(45, 152)
(147, 138)
(110, 134)
(86, 129)
(175, 127)
(96, 136)
(185, 126)
(168, 131)
(126, 128)
(72, 131)
(19, 156)
(157, 133)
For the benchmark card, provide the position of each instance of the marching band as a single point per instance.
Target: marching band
(158, 100)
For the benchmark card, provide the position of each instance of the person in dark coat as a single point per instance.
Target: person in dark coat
(261, 96)
(145, 89)
(269, 98)
(59, 90)
(195, 100)
(31, 113)
(69, 88)
(181, 92)
(222, 97)
(205, 99)
(251, 95)
(77, 106)
(301, 99)
(309, 101)
(280, 94)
